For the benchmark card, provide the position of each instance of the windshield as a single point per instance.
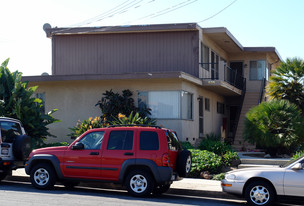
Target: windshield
(291, 161)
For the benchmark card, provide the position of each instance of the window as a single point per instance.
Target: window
(149, 140)
(92, 141)
(168, 104)
(257, 70)
(120, 140)
(9, 131)
(205, 57)
(220, 108)
(173, 143)
(186, 105)
(207, 104)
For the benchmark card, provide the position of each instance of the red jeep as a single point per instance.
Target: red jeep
(145, 159)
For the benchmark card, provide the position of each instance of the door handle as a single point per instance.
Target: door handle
(128, 153)
(94, 153)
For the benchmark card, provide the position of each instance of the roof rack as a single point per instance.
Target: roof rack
(134, 125)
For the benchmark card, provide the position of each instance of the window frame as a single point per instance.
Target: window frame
(251, 78)
(143, 98)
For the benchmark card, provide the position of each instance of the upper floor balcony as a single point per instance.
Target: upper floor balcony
(222, 79)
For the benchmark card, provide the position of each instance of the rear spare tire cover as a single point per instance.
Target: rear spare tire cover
(183, 163)
(22, 147)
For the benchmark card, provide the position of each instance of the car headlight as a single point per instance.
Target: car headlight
(230, 177)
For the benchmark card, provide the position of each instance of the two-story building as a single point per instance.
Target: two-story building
(196, 80)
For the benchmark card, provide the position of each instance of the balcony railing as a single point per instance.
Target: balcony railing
(220, 71)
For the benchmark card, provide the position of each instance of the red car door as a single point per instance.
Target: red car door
(84, 162)
(118, 148)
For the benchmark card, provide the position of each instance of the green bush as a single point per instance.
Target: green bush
(215, 146)
(219, 177)
(228, 157)
(275, 126)
(203, 160)
(187, 145)
(135, 119)
(86, 125)
(298, 154)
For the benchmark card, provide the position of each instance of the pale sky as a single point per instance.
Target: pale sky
(277, 23)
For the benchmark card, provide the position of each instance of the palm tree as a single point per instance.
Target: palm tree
(287, 82)
(275, 125)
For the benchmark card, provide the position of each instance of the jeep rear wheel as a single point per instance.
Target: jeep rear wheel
(139, 183)
(183, 163)
(43, 176)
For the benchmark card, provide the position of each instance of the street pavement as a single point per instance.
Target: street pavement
(186, 186)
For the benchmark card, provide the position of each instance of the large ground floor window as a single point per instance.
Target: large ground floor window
(168, 104)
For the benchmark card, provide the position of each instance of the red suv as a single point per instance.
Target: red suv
(145, 159)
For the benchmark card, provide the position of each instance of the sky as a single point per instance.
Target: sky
(276, 23)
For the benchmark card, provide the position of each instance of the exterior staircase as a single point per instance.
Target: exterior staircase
(251, 99)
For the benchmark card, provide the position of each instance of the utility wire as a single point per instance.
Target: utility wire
(218, 12)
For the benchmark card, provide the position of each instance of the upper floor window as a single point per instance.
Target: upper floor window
(168, 104)
(205, 57)
(257, 70)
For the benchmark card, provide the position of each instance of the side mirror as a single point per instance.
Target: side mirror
(78, 146)
(297, 166)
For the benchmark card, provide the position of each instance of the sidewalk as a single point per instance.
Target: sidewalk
(187, 186)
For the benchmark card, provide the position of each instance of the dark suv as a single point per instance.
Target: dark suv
(145, 159)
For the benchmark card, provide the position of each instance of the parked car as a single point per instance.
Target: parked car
(15, 146)
(263, 186)
(145, 159)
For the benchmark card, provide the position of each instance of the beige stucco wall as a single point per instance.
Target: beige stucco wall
(75, 100)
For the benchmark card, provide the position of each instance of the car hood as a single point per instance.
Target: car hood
(50, 149)
(256, 169)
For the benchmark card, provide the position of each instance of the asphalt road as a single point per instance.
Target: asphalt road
(24, 194)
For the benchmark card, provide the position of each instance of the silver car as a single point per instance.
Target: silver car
(262, 186)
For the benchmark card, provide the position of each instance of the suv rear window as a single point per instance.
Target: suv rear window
(173, 143)
(149, 140)
(120, 140)
(9, 131)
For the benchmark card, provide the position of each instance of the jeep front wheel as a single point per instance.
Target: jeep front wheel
(43, 176)
(139, 183)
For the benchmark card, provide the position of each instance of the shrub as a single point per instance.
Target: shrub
(219, 177)
(228, 157)
(132, 120)
(187, 145)
(86, 125)
(215, 146)
(276, 126)
(203, 160)
(298, 154)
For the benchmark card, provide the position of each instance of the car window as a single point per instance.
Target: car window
(92, 141)
(173, 143)
(9, 131)
(149, 140)
(120, 140)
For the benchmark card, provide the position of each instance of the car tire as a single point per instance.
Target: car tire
(22, 147)
(43, 176)
(160, 189)
(139, 183)
(183, 163)
(259, 193)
